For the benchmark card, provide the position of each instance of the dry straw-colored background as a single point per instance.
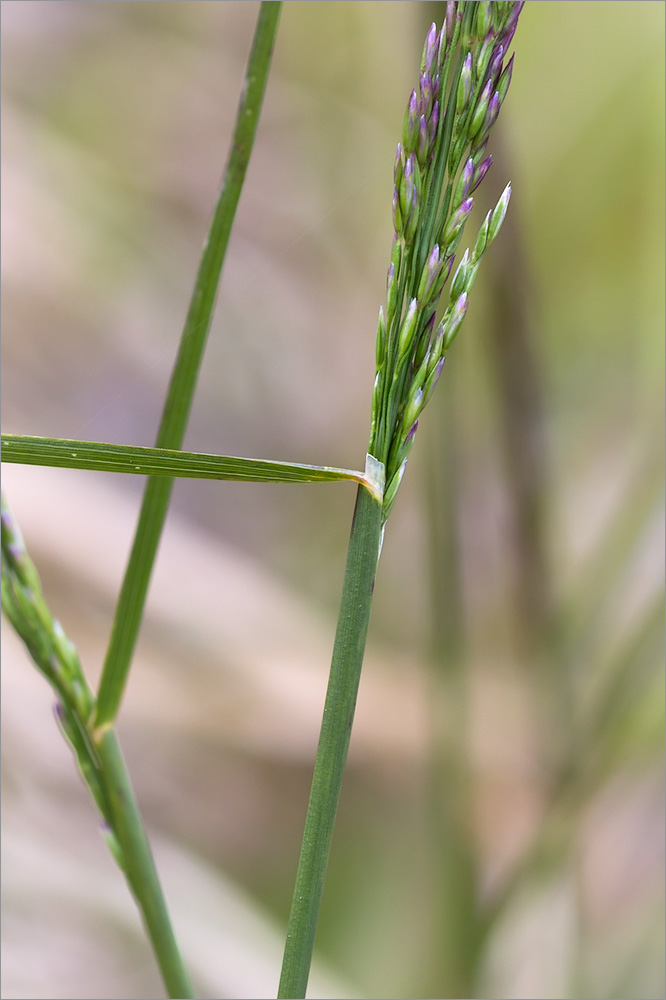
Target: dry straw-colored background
(510, 721)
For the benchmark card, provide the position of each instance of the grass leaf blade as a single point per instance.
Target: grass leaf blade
(129, 609)
(101, 457)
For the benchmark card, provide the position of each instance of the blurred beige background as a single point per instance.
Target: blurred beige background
(501, 826)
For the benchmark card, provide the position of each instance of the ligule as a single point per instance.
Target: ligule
(440, 162)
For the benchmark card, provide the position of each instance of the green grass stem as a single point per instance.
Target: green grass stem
(139, 866)
(363, 553)
(132, 598)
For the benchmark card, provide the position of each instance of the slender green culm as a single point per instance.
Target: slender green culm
(440, 161)
(334, 739)
(139, 866)
(99, 759)
(131, 602)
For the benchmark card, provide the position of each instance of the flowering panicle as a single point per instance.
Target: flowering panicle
(56, 658)
(440, 162)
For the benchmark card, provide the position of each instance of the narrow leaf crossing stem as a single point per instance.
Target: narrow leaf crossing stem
(96, 455)
(364, 545)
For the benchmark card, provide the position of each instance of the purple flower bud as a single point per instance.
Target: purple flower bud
(457, 220)
(396, 254)
(511, 22)
(505, 80)
(412, 219)
(450, 20)
(496, 64)
(442, 277)
(460, 308)
(400, 449)
(436, 350)
(397, 216)
(433, 123)
(429, 274)
(480, 172)
(465, 183)
(441, 44)
(485, 53)
(407, 186)
(412, 432)
(431, 381)
(455, 319)
(391, 289)
(411, 123)
(423, 147)
(427, 93)
(408, 329)
(392, 487)
(434, 117)
(507, 36)
(478, 119)
(419, 363)
(430, 50)
(459, 278)
(413, 407)
(483, 18)
(398, 168)
(409, 193)
(491, 116)
(382, 338)
(464, 85)
(498, 214)
(482, 238)
(59, 712)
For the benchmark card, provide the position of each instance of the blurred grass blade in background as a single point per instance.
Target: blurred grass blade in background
(90, 728)
(129, 610)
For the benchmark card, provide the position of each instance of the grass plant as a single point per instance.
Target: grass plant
(441, 161)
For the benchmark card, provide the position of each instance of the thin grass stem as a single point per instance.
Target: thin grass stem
(132, 598)
(363, 553)
(139, 866)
